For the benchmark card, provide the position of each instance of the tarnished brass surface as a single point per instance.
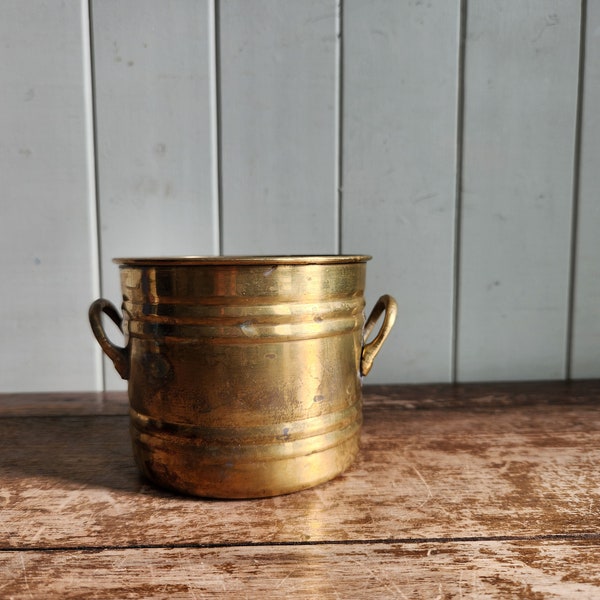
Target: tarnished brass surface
(244, 372)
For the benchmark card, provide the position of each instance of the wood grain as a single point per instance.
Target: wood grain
(63, 404)
(527, 470)
(487, 396)
(526, 569)
(466, 491)
(470, 396)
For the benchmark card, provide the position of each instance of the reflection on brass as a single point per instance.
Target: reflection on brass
(244, 372)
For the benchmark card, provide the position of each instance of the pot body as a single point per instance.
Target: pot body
(244, 373)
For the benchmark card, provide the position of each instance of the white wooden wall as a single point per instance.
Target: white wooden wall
(457, 141)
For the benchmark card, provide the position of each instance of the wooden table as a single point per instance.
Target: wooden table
(471, 491)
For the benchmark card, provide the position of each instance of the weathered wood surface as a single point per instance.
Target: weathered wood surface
(488, 569)
(404, 397)
(459, 491)
(63, 404)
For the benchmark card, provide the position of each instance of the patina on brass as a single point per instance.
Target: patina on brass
(244, 372)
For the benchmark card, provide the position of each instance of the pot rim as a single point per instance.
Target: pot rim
(291, 259)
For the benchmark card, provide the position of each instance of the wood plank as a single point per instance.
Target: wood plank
(586, 324)
(482, 569)
(470, 396)
(519, 130)
(399, 161)
(278, 116)
(488, 396)
(63, 404)
(47, 212)
(154, 104)
(529, 470)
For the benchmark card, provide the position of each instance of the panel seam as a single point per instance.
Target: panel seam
(575, 199)
(339, 137)
(460, 113)
(216, 126)
(95, 188)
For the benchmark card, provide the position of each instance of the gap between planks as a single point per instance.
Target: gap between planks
(555, 537)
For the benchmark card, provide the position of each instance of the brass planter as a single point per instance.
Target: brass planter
(244, 372)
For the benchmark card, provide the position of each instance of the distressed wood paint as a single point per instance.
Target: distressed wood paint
(520, 105)
(451, 496)
(418, 470)
(543, 569)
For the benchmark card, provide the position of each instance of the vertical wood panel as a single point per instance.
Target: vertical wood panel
(586, 323)
(400, 103)
(520, 105)
(154, 104)
(278, 90)
(156, 108)
(46, 222)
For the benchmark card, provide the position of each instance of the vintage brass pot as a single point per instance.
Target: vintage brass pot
(244, 372)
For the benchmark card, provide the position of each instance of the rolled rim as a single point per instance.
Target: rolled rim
(322, 259)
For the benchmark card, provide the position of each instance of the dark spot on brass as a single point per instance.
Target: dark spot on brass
(158, 368)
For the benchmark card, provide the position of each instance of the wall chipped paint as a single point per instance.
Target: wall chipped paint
(321, 126)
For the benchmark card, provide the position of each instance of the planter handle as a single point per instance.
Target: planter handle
(385, 304)
(119, 355)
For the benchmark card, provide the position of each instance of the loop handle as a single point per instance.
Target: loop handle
(119, 355)
(385, 304)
